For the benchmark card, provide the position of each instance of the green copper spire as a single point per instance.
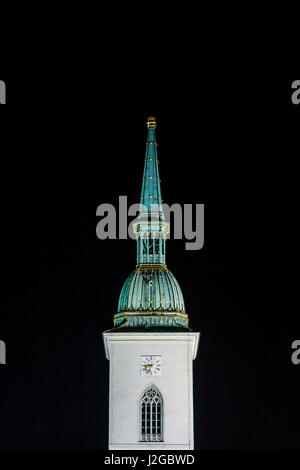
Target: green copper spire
(151, 201)
(151, 297)
(151, 229)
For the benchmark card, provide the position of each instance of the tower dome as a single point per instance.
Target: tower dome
(151, 296)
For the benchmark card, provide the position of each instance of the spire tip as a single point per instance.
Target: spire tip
(151, 123)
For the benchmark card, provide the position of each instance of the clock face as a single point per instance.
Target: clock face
(150, 365)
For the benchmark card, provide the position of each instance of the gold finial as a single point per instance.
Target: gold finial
(151, 124)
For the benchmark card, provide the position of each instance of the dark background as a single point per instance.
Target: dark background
(232, 145)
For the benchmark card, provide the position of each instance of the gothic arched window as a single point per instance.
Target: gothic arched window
(151, 415)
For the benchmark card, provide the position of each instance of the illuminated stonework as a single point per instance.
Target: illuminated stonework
(151, 347)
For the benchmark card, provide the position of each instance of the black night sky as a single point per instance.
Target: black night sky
(234, 148)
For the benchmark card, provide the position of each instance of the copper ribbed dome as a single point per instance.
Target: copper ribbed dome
(147, 289)
(151, 296)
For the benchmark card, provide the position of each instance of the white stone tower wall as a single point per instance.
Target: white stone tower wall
(177, 351)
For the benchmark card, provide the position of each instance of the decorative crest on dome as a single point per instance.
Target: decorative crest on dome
(151, 123)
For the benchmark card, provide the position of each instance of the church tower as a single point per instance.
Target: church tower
(151, 347)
